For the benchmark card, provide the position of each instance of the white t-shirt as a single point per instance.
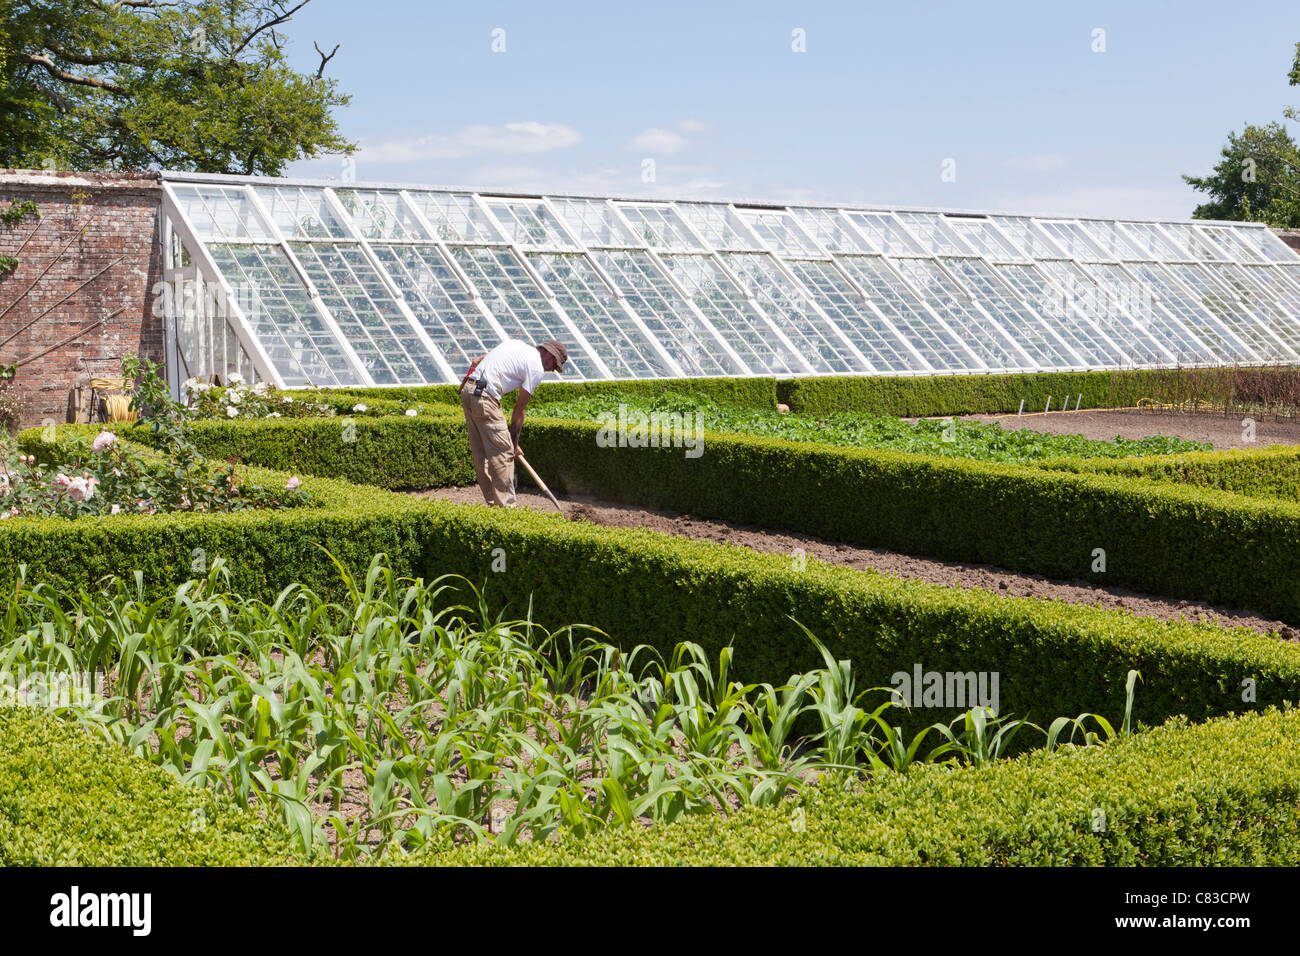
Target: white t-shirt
(512, 364)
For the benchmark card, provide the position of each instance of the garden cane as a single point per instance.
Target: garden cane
(541, 484)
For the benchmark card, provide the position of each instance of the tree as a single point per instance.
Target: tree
(1258, 179)
(135, 84)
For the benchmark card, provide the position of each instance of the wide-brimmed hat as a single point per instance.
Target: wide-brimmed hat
(559, 351)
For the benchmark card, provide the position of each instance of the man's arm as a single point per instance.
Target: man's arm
(517, 418)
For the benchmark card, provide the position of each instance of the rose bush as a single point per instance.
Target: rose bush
(105, 478)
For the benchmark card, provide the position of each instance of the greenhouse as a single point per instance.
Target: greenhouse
(319, 283)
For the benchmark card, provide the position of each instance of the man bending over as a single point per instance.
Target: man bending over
(511, 365)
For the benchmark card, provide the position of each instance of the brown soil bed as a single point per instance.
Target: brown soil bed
(1224, 433)
(949, 573)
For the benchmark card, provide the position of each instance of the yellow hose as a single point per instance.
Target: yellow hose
(118, 408)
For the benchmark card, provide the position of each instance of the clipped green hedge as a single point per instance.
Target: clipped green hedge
(385, 452)
(750, 392)
(931, 395)
(70, 799)
(1158, 537)
(1225, 793)
(1272, 472)
(388, 452)
(265, 551)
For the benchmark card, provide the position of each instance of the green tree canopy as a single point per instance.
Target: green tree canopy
(1258, 177)
(133, 84)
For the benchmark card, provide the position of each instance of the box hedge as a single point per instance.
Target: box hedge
(1272, 472)
(68, 798)
(1225, 793)
(749, 392)
(931, 395)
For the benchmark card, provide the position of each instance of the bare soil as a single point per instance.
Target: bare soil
(949, 573)
(1225, 433)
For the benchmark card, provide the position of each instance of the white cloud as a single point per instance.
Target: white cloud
(481, 139)
(665, 141)
(657, 140)
(1036, 162)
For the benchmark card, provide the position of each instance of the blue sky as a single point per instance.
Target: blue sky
(715, 96)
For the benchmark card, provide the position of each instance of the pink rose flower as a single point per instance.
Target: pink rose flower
(103, 440)
(292, 483)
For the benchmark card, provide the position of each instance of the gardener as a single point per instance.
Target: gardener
(511, 365)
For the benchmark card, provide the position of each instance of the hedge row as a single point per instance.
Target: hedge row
(920, 396)
(387, 452)
(750, 392)
(1157, 537)
(71, 799)
(1272, 472)
(265, 551)
(1220, 794)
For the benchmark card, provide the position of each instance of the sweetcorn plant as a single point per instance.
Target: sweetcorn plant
(407, 714)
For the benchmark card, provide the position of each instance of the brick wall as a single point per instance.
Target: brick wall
(1290, 236)
(117, 216)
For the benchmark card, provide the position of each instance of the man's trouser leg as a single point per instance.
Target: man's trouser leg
(490, 443)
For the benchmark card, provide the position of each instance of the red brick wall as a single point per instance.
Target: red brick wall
(119, 215)
(1290, 236)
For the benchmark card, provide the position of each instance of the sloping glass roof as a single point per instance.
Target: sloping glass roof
(354, 284)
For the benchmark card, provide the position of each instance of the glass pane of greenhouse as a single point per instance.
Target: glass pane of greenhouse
(832, 229)
(595, 222)
(368, 315)
(347, 283)
(667, 313)
(791, 304)
(869, 331)
(781, 234)
(381, 215)
(925, 331)
(978, 330)
(1100, 301)
(455, 217)
(660, 227)
(518, 303)
(441, 303)
(626, 350)
(529, 223)
(277, 305)
(743, 326)
(720, 226)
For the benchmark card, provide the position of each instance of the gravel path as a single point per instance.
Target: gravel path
(950, 573)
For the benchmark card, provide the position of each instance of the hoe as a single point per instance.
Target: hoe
(540, 484)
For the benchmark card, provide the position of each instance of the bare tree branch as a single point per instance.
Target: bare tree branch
(44, 61)
(323, 58)
(282, 18)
